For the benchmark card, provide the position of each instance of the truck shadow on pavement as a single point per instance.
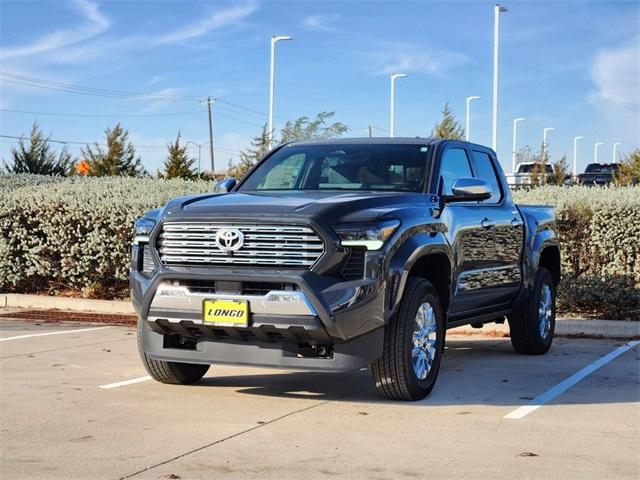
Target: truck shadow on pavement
(485, 372)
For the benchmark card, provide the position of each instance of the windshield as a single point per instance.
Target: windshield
(598, 168)
(379, 167)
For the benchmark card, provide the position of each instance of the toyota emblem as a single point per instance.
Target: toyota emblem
(229, 239)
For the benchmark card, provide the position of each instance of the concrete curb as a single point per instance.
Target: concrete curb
(617, 329)
(565, 327)
(43, 302)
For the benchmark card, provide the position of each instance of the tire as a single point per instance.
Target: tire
(394, 372)
(533, 323)
(170, 372)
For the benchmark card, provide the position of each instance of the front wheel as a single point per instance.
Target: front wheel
(413, 345)
(170, 372)
(533, 323)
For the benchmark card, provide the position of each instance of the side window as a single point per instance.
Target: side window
(283, 175)
(454, 164)
(484, 169)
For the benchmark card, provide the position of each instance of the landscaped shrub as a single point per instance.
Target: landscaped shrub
(600, 247)
(72, 236)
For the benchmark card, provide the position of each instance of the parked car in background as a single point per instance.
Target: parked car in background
(598, 174)
(522, 176)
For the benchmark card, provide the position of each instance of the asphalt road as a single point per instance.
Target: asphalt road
(57, 422)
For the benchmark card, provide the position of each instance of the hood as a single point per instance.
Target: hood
(321, 207)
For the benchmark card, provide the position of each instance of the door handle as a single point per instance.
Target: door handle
(516, 222)
(487, 223)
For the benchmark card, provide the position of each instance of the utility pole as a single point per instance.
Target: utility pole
(370, 133)
(208, 103)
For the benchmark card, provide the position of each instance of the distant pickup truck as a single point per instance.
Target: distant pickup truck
(522, 176)
(343, 254)
(598, 174)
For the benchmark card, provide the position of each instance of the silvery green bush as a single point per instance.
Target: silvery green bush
(600, 241)
(60, 234)
(73, 234)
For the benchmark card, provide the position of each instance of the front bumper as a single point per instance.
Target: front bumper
(315, 310)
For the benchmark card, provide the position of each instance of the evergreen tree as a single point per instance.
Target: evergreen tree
(249, 157)
(38, 158)
(178, 164)
(118, 159)
(448, 127)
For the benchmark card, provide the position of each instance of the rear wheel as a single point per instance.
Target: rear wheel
(413, 345)
(533, 323)
(170, 372)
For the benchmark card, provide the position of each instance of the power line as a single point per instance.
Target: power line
(110, 93)
(75, 142)
(69, 114)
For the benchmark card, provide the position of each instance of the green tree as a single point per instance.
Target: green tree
(297, 130)
(629, 172)
(38, 158)
(250, 156)
(560, 171)
(448, 127)
(178, 164)
(318, 128)
(119, 158)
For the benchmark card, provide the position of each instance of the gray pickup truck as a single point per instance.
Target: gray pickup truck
(344, 254)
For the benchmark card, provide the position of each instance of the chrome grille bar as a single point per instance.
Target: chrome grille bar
(182, 243)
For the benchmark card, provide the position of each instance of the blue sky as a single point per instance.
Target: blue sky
(574, 66)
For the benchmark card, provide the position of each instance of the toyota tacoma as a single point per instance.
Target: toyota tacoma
(344, 254)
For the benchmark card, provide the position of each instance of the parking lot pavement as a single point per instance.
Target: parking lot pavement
(56, 421)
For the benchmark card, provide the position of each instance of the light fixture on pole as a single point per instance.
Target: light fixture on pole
(544, 139)
(392, 106)
(199, 145)
(496, 45)
(513, 151)
(615, 150)
(575, 155)
(272, 75)
(466, 130)
(595, 151)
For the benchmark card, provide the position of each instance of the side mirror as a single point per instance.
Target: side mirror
(225, 185)
(469, 190)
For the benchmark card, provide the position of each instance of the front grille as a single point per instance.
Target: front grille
(246, 288)
(264, 245)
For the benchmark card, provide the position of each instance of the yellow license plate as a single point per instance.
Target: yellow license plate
(226, 313)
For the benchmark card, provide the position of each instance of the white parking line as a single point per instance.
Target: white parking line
(563, 386)
(59, 332)
(126, 382)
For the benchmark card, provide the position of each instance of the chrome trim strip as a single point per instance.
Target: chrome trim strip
(275, 302)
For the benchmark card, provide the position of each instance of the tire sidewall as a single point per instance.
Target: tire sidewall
(421, 388)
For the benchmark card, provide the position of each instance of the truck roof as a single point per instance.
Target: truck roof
(379, 140)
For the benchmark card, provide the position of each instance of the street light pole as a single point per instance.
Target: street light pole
(199, 145)
(513, 150)
(575, 155)
(466, 131)
(595, 151)
(544, 139)
(392, 106)
(615, 149)
(496, 40)
(272, 75)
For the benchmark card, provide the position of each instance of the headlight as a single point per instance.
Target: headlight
(143, 227)
(371, 236)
